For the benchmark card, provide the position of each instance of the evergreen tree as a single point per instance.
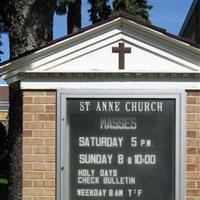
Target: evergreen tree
(99, 11)
(3, 16)
(73, 10)
(31, 24)
(137, 8)
(74, 17)
(3, 19)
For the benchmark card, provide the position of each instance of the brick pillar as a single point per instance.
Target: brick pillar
(193, 145)
(39, 145)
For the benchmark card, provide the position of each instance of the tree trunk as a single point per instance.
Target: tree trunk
(74, 17)
(31, 24)
(15, 142)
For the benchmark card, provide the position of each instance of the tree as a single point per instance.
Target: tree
(99, 11)
(3, 163)
(74, 17)
(3, 151)
(3, 19)
(137, 8)
(31, 24)
(30, 27)
(3, 16)
(73, 10)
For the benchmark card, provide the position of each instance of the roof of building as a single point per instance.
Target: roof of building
(4, 93)
(188, 17)
(111, 18)
(80, 53)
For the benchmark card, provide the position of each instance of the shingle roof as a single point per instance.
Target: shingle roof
(188, 17)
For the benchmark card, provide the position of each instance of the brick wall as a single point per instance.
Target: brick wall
(39, 145)
(193, 145)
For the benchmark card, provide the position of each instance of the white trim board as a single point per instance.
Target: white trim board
(121, 85)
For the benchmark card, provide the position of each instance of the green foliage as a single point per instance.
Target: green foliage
(137, 8)
(4, 15)
(3, 19)
(61, 8)
(73, 10)
(99, 11)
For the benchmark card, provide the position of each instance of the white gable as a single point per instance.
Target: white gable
(103, 60)
(91, 51)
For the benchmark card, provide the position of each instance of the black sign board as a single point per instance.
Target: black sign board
(121, 148)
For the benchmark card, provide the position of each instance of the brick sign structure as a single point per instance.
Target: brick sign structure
(4, 103)
(91, 122)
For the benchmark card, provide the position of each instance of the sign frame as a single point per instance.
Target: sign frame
(62, 151)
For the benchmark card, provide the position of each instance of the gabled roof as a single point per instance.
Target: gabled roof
(89, 51)
(111, 18)
(188, 18)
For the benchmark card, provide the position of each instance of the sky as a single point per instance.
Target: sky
(167, 14)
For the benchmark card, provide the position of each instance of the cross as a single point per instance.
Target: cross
(121, 50)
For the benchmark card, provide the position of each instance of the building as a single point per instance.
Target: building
(4, 103)
(112, 111)
(191, 26)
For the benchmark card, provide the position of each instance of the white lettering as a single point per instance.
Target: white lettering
(108, 172)
(143, 106)
(91, 192)
(88, 180)
(108, 106)
(101, 141)
(95, 159)
(84, 105)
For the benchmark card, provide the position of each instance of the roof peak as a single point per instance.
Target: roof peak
(112, 17)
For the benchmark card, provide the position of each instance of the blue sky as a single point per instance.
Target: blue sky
(168, 14)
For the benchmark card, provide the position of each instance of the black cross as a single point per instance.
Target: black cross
(121, 50)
